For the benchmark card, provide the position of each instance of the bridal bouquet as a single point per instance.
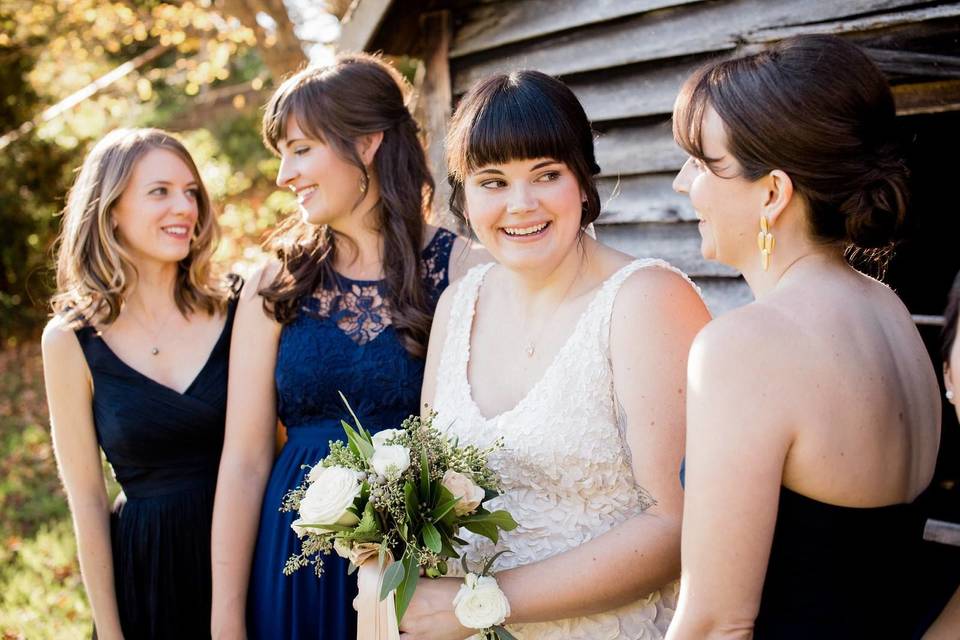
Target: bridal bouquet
(400, 493)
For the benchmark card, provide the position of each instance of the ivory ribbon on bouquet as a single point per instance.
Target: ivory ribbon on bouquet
(376, 619)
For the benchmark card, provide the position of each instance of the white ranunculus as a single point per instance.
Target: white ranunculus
(380, 438)
(390, 460)
(464, 488)
(329, 497)
(480, 604)
(299, 530)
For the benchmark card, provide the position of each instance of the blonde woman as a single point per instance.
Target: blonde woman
(135, 362)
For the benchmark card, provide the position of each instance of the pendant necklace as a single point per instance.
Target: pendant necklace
(155, 349)
(531, 347)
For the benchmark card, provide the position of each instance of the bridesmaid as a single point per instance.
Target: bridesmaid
(347, 307)
(947, 624)
(135, 362)
(813, 414)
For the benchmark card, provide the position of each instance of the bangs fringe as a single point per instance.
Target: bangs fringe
(515, 124)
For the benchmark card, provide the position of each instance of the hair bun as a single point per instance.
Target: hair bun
(875, 211)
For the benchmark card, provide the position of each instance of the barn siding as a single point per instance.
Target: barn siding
(626, 60)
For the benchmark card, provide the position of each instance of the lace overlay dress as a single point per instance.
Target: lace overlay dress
(343, 340)
(565, 468)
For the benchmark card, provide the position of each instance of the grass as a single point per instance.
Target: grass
(41, 592)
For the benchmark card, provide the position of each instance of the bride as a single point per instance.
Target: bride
(574, 354)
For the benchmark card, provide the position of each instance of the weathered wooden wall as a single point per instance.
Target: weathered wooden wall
(626, 60)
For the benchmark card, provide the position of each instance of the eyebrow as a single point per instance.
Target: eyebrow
(539, 165)
(290, 141)
(167, 182)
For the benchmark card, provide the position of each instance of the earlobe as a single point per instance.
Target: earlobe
(948, 383)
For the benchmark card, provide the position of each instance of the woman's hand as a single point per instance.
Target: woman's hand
(430, 614)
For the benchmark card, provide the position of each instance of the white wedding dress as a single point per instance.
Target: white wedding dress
(565, 469)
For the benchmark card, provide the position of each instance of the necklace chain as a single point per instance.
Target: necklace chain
(155, 349)
(531, 347)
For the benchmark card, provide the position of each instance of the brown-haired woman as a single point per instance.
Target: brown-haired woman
(947, 624)
(347, 308)
(813, 414)
(135, 362)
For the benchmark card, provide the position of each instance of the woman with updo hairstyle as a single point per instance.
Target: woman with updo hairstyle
(135, 363)
(346, 306)
(813, 414)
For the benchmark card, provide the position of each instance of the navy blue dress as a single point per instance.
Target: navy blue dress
(342, 340)
(164, 447)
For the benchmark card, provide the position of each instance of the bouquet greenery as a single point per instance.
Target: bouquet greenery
(406, 492)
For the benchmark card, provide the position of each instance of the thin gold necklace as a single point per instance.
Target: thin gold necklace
(531, 347)
(155, 349)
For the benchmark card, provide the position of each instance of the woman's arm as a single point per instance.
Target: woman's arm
(70, 399)
(737, 444)
(248, 451)
(656, 317)
(947, 624)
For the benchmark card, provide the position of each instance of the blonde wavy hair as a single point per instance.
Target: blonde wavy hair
(94, 271)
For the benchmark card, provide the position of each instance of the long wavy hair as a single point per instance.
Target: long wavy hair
(94, 270)
(356, 95)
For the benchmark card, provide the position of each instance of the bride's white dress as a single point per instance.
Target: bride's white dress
(565, 468)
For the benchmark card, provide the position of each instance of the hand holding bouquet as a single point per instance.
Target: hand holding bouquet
(404, 492)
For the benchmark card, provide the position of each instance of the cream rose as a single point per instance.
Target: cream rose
(390, 460)
(329, 497)
(380, 438)
(480, 604)
(464, 488)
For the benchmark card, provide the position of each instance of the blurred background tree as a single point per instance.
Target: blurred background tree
(71, 70)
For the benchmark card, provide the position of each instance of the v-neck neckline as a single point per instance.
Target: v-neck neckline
(547, 371)
(193, 381)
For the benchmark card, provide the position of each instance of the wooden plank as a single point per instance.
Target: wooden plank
(360, 26)
(927, 97)
(436, 101)
(647, 148)
(857, 25)
(684, 30)
(643, 198)
(678, 243)
(635, 91)
(724, 294)
(942, 531)
(495, 25)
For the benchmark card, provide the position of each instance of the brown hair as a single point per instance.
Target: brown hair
(817, 108)
(519, 116)
(94, 271)
(358, 94)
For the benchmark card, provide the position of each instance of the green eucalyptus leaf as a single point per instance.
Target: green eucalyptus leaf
(431, 537)
(408, 586)
(503, 634)
(392, 578)
(485, 529)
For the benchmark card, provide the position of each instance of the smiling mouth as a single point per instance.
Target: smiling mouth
(526, 232)
(178, 231)
(304, 194)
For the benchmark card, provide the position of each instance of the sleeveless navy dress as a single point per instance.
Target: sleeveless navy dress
(342, 340)
(164, 447)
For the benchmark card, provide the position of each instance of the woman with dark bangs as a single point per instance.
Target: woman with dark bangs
(135, 364)
(575, 355)
(346, 307)
(813, 414)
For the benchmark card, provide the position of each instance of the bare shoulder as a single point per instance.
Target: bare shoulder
(660, 291)
(261, 277)
(59, 339)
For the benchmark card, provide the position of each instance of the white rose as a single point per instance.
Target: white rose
(464, 488)
(329, 497)
(390, 460)
(380, 438)
(479, 604)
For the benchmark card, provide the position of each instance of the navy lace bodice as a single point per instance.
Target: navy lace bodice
(342, 340)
